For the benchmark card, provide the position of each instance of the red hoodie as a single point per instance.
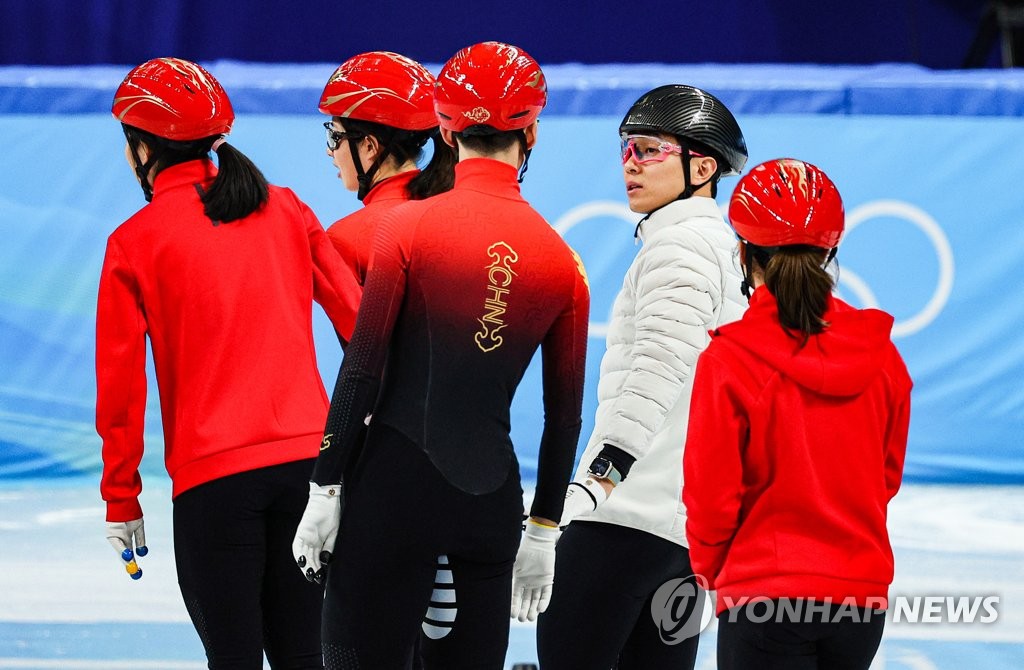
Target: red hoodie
(792, 455)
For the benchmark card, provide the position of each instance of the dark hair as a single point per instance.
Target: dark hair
(436, 177)
(484, 140)
(801, 286)
(239, 188)
(439, 174)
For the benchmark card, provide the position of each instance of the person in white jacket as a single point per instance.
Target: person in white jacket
(624, 546)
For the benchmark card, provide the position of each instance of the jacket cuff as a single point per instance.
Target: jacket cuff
(619, 458)
(124, 510)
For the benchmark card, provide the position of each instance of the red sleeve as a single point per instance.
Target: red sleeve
(564, 355)
(120, 384)
(335, 287)
(897, 429)
(349, 248)
(712, 466)
(359, 378)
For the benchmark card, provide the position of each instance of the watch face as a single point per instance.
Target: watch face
(600, 467)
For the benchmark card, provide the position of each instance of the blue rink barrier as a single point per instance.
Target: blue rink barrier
(927, 162)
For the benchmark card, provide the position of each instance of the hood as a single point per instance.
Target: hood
(840, 361)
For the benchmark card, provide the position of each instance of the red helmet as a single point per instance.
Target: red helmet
(787, 201)
(382, 87)
(490, 84)
(174, 99)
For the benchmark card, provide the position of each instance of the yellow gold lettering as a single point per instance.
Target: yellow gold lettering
(504, 273)
(499, 278)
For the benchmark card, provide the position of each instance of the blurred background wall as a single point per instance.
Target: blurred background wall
(933, 33)
(926, 154)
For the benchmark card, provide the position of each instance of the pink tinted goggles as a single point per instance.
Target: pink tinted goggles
(648, 149)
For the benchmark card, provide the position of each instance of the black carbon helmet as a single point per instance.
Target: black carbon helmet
(689, 112)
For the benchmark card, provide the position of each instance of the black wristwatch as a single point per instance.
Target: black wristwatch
(603, 468)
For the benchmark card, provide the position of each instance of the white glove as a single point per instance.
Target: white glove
(318, 528)
(534, 572)
(581, 499)
(128, 538)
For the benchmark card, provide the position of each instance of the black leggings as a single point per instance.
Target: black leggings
(232, 548)
(400, 515)
(600, 613)
(836, 639)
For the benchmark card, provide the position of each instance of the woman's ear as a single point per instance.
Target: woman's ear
(372, 147)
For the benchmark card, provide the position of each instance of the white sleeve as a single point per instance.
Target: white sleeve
(677, 289)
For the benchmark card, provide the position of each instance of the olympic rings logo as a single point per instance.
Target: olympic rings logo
(849, 280)
(943, 253)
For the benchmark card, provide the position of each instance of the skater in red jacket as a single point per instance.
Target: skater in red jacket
(382, 115)
(219, 271)
(798, 430)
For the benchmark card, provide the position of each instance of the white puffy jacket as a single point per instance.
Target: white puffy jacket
(684, 282)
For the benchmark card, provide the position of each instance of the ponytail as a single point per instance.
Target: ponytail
(439, 174)
(239, 189)
(801, 286)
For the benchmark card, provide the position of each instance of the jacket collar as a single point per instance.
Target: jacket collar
(392, 188)
(488, 176)
(677, 212)
(188, 173)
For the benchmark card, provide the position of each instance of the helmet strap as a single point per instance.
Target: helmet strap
(747, 284)
(521, 135)
(362, 177)
(365, 177)
(689, 188)
(831, 256)
(688, 185)
(142, 170)
(750, 252)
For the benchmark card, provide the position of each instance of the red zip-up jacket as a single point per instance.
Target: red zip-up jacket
(352, 235)
(227, 308)
(792, 455)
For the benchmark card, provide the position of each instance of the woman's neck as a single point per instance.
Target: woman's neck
(389, 169)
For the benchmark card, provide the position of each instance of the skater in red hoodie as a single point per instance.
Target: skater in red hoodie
(798, 430)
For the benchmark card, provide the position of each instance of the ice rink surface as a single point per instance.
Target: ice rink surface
(66, 603)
